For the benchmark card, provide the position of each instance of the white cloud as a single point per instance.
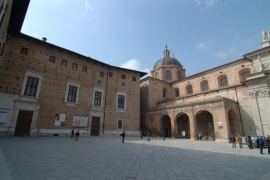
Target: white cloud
(87, 5)
(204, 45)
(135, 64)
(210, 3)
(198, 2)
(225, 53)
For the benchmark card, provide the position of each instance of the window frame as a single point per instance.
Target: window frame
(124, 94)
(168, 75)
(24, 51)
(77, 84)
(189, 89)
(98, 98)
(52, 59)
(34, 74)
(122, 124)
(72, 93)
(31, 86)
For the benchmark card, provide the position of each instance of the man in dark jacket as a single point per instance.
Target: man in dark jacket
(268, 143)
(123, 136)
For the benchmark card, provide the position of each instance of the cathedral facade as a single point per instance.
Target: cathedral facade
(229, 100)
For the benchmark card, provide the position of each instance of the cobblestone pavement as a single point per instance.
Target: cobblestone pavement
(106, 158)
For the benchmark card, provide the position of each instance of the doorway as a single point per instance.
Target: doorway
(23, 124)
(95, 126)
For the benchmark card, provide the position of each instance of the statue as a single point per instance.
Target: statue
(269, 35)
(264, 35)
(259, 64)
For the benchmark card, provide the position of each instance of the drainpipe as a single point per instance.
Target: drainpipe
(106, 87)
(237, 102)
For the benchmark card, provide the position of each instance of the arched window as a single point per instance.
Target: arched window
(223, 81)
(179, 75)
(189, 90)
(168, 75)
(157, 75)
(205, 86)
(244, 75)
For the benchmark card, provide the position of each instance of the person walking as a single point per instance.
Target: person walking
(233, 142)
(249, 142)
(141, 134)
(163, 136)
(77, 135)
(148, 136)
(72, 133)
(268, 143)
(261, 144)
(123, 136)
(240, 142)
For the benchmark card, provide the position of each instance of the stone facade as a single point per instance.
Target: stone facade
(216, 103)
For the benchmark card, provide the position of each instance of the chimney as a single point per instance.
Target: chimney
(44, 39)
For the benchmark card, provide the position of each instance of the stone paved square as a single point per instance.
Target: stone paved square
(106, 158)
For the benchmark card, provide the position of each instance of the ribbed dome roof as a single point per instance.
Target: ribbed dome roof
(167, 60)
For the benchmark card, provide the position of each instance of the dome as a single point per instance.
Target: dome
(167, 60)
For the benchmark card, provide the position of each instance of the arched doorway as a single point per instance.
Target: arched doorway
(205, 125)
(183, 128)
(232, 123)
(166, 125)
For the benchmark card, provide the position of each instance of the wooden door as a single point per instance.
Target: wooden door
(23, 124)
(95, 126)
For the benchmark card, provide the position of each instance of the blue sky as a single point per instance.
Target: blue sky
(202, 34)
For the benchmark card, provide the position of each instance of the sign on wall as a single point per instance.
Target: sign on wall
(80, 121)
(3, 117)
(60, 119)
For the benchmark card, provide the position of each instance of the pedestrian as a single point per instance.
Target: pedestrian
(200, 136)
(257, 142)
(233, 142)
(261, 144)
(148, 136)
(141, 134)
(163, 136)
(249, 141)
(77, 135)
(268, 143)
(72, 133)
(123, 136)
(240, 142)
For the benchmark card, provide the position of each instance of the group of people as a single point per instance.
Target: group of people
(77, 134)
(259, 142)
(148, 136)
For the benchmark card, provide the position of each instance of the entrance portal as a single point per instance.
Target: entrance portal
(23, 124)
(95, 126)
(205, 125)
(183, 129)
(166, 126)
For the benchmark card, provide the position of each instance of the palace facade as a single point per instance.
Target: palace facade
(46, 89)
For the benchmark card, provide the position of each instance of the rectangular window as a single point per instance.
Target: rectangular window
(110, 74)
(74, 66)
(177, 92)
(31, 86)
(84, 69)
(97, 101)
(119, 124)
(123, 84)
(164, 93)
(123, 76)
(72, 92)
(64, 63)
(52, 59)
(121, 101)
(134, 78)
(24, 51)
(101, 73)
